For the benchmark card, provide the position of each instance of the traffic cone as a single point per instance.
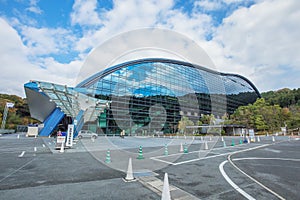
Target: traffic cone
(166, 150)
(18, 136)
(129, 175)
(205, 145)
(49, 136)
(140, 156)
(258, 139)
(108, 160)
(62, 148)
(222, 139)
(166, 189)
(232, 142)
(185, 150)
(210, 138)
(224, 144)
(241, 141)
(181, 148)
(273, 139)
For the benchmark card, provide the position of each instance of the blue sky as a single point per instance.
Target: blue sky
(49, 40)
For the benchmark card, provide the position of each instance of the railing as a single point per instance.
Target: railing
(3, 131)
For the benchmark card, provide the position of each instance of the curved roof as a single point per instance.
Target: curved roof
(92, 79)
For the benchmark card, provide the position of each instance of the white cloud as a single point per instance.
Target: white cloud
(126, 15)
(133, 14)
(208, 4)
(265, 39)
(84, 13)
(42, 41)
(34, 8)
(16, 69)
(260, 42)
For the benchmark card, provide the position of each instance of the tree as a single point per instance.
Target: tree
(260, 116)
(183, 123)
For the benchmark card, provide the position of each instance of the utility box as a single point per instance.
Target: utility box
(32, 131)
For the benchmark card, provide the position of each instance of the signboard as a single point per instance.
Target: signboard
(252, 135)
(283, 130)
(60, 139)
(70, 135)
(243, 132)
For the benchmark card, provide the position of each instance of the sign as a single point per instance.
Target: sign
(70, 135)
(9, 105)
(252, 135)
(60, 139)
(243, 132)
(251, 132)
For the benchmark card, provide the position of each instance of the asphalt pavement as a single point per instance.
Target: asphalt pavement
(262, 170)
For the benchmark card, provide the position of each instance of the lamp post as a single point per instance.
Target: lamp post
(7, 106)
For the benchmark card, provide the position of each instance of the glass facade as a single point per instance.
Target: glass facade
(151, 95)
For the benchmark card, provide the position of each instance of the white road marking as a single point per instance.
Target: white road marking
(22, 154)
(16, 170)
(182, 153)
(203, 158)
(237, 188)
(170, 163)
(253, 179)
(223, 154)
(257, 158)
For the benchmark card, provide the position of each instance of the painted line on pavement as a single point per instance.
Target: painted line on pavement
(17, 170)
(204, 158)
(259, 158)
(253, 179)
(22, 154)
(237, 188)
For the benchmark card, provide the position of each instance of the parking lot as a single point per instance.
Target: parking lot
(262, 170)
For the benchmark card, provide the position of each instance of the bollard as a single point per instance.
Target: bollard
(181, 148)
(166, 150)
(232, 142)
(224, 144)
(205, 145)
(129, 175)
(273, 139)
(166, 189)
(107, 159)
(185, 150)
(62, 148)
(140, 156)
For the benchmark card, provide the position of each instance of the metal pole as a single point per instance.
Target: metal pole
(4, 117)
